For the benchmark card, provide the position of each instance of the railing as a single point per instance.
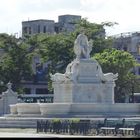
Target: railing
(125, 34)
(35, 99)
(71, 127)
(88, 127)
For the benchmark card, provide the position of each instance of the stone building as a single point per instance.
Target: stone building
(66, 23)
(37, 26)
(129, 42)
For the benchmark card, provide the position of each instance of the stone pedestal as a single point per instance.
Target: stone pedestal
(89, 87)
(88, 71)
(84, 93)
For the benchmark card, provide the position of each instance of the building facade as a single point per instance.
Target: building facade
(37, 26)
(129, 42)
(66, 23)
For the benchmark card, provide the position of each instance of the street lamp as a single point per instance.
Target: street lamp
(133, 82)
(132, 92)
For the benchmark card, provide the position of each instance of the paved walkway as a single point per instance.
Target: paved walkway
(31, 133)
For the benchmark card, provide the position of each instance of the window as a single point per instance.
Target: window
(56, 29)
(30, 30)
(38, 29)
(125, 48)
(25, 30)
(44, 29)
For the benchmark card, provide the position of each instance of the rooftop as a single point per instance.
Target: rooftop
(38, 20)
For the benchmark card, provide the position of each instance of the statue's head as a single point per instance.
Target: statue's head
(82, 31)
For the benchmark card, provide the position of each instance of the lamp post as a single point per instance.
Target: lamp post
(133, 81)
(132, 92)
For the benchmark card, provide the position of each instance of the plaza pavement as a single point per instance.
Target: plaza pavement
(31, 133)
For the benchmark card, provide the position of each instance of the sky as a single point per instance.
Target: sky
(124, 12)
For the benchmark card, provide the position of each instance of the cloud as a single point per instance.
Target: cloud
(125, 12)
(40, 6)
(92, 4)
(33, 6)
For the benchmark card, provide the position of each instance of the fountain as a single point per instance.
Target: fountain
(82, 91)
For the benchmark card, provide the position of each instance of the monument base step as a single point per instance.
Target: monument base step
(23, 115)
(15, 122)
(31, 122)
(91, 116)
(72, 115)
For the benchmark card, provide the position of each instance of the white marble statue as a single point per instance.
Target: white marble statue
(69, 75)
(72, 70)
(109, 77)
(82, 47)
(106, 77)
(58, 77)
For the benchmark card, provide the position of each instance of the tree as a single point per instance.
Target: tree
(15, 63)
(121, 62)
(56, 48)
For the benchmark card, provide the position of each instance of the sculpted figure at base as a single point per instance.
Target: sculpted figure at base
(72, 70)
(69, 75)
(107, 76)
(58, 77)
(82, 47)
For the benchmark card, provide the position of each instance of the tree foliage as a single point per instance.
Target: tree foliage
(14, 62)
(121, 62)
(58, 49)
